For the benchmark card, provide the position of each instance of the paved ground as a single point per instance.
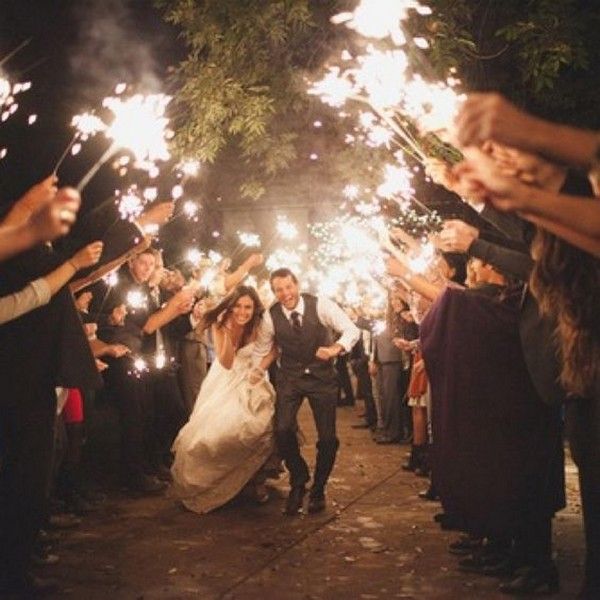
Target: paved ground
(376, 540)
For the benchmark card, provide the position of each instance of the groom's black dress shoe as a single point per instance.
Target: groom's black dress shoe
(316, 503)
(294, 500)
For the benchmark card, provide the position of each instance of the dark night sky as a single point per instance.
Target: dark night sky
(79, 50)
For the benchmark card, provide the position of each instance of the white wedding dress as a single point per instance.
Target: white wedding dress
(228, 437)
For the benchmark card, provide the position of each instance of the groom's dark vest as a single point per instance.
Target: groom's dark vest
(298, 348)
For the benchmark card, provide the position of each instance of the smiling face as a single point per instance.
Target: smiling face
(142, 267)
(286, 291)
(397, 303)
(242, 310)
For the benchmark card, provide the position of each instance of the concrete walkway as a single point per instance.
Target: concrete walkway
(376, 540)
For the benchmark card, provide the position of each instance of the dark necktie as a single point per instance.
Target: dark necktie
(296, 324)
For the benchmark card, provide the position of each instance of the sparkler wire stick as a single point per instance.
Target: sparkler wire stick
(65, 153)
(413, 147)
(96, 167)
(13, 52)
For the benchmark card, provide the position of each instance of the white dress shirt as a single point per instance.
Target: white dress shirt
(328, 312)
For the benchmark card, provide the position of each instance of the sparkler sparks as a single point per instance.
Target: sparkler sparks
(130, 204)
(194, 256)
(287, 230)
(351, 191)
(111, 279)
(160, 360)
(8, 92)
(408, 108)
(140, 366)
(87, 125)
(190, 168)
(190, 209)
(250, 240)
(215, 257)
(177, 192)
(139, 126)
(283, 258)
(136, 299)
(397, 182)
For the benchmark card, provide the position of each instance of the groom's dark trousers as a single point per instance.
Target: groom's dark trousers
(322, 397)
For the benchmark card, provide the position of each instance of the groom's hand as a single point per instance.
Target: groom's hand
(327, 352)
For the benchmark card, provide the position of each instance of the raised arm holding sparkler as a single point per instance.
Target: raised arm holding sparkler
(48, 220)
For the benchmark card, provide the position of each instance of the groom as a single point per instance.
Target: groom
(300, 325)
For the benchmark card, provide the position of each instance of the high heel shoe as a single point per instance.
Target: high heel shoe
(533, 580)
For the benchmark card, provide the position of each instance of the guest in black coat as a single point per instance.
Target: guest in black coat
(39, 351)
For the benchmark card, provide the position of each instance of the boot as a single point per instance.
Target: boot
(422, 467)
(326, 452)
(533, 580)
(417, 459)
(413, 460)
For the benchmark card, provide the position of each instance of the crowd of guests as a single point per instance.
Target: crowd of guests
(511, 357)
(89, 314)
(483, 359)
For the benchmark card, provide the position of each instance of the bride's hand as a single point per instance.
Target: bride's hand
(256, 375)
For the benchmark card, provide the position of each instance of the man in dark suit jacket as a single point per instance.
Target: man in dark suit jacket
(149, 402)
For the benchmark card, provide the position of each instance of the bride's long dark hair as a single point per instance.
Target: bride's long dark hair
(219, 314)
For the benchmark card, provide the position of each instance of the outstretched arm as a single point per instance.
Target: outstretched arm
(179, 304)
(418, 283)
(233, 279)
(574, 219)
(39, 292)
(25, 226)
(486, 117)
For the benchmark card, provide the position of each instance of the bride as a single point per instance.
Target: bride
(229, 435)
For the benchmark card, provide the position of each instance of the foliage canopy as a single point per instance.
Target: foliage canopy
(243, 82)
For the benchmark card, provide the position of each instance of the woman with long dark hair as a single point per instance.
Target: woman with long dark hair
(228, 437)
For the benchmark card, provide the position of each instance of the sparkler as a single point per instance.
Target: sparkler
(86, 125)
(215, 257)
(130, 204)
(250, 240)
(190, 209)
(283, 258)
(140, 366)
(409, 110)
(286, 229)
(136, 299)
(194, 256)
(208, 277)
(8, 92)
(111, 279)
(189, 168)
(150, 194)
(139, 126)
(177, 192)
(160, 360)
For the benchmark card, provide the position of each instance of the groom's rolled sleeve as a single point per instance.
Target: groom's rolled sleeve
(264, 338)
(333, 316)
